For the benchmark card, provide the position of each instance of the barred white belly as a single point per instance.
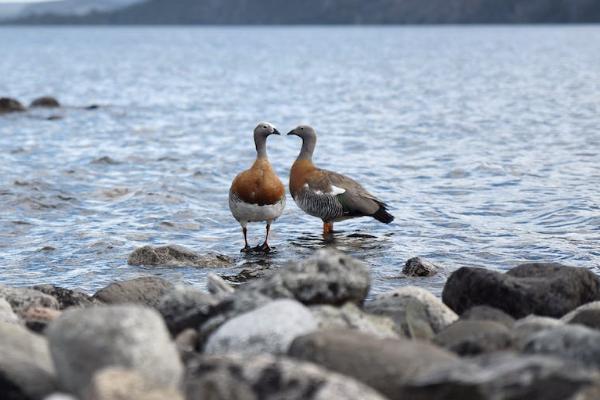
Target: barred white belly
(246, 212)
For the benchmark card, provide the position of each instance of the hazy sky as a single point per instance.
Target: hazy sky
(24, 1)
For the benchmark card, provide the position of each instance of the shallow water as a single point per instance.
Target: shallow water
(484, 141)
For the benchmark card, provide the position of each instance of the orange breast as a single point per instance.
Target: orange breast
(259, 185)
(299, 174)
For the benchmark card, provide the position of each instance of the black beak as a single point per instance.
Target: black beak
(292, 132)
(276, 132)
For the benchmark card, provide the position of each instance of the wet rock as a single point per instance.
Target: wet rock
(179, 302)
(416, 312)
(6, 313)
(468, 338)
(8, 105)
(383, 364)
(486, 313)
(45, 102)
(248, 274)
(85, 341)
(66, 297)
(92, 107)
(38, 318)
(186, 343)
(146, 290)
(570, 342)
(543, 289)
(54, 118)
(417, 266)
(269, 329)
(175, 256)
(587, 314)
(528, 326)
(20, 299)
(126, 384)
(349, 316)
(26, 370)
(105, 160)
(218, 287)
(268, 378)
(502, 376)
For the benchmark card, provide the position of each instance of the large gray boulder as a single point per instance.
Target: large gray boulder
(545, 289)
(84, 341)
(383, 364)
(176, 304)
(176, 256)
(20, 299)
(147, 290)
(268, 378)
(268, 329)
(468, 338)
(416, 312)
(26, 370)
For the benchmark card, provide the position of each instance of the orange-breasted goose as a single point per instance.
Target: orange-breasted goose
(257, 194)
(328, 195)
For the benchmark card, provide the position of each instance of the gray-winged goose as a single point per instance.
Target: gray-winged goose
(328, 195)
(257, 194)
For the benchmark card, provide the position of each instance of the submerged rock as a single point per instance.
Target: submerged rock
(417, 266)
(383, 364)
(268, 378)
(8, 105)
(542, 289)
(85, 341)
(20, 299)
(475, 337)
(26, 370)
(416, 312)
(66, 297)
(46, 102)
(175, 256)
(269, 329)
(127, 384)
(146, 290)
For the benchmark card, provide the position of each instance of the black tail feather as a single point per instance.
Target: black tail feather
(382, 215)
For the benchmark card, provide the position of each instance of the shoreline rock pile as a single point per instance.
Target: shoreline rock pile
(307, 331)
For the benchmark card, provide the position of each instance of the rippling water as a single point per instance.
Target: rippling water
(484, 140)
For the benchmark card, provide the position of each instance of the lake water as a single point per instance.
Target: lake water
(485, 142)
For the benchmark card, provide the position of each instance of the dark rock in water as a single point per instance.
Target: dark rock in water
(54, 118)
(26, 370)
(8, 105)
(106, 160)
(20, 299)
(147, 290)
(46, 102)
(416, 312)
(571, 342)
(587, 314)
(92, 107)
(267, 378)
(179, 302)
(419, 267)
(174, 256)
(383, 364)
(83, 341)
(503, 376)
(541, 289)
(486, 313)
(248, 274)
(66, 297)
(468, 338)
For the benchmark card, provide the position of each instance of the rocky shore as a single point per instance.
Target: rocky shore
(307, 330)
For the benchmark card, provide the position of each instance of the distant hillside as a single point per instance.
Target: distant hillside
(75, 7)
(338, 12)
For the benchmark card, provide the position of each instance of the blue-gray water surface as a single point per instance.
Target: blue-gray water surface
(485, 142)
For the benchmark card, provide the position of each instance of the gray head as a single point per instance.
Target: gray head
(309, 140)
(261, 132)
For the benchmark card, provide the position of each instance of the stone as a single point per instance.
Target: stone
(383, 364)
(545, 289)
(265, 377)
(502, 376)
(147, 290)
(66, 297)
(38, 318)
(526, 327)
(46, 102)
(85, 341)
(177, 303)
(187, 343)
(176, 256)
(416, 312)
(349, 316)
(60, 396)
(486, 313)
(417, 266)
(570, 342)
(26, 370)
(218, 287)
(127, 384)
(6, 313)
(8, 105)
(268, 329)
(587, 314)
(249, 273)
(467, 338)
(20, 299)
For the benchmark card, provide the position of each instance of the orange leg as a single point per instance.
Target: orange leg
(327, 228)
